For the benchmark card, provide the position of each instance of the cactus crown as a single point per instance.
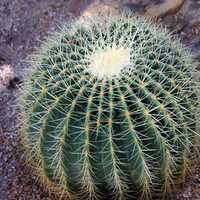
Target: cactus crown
(109, 62)
(111, 106)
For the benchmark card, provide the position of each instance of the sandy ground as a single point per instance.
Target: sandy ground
(23, 24)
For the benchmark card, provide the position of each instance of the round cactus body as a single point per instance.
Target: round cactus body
(110, 108)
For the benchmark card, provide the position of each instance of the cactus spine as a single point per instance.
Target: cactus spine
(111, 106)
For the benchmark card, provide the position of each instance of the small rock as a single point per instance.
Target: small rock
(97, 7)
(6, 75)
(164, 8)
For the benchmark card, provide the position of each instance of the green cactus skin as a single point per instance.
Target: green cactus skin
(111, 106)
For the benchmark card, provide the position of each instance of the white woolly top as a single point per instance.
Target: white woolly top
(109, 62)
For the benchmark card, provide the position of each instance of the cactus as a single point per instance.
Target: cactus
(110, 108)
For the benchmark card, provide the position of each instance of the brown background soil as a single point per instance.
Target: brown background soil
(23, 24)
